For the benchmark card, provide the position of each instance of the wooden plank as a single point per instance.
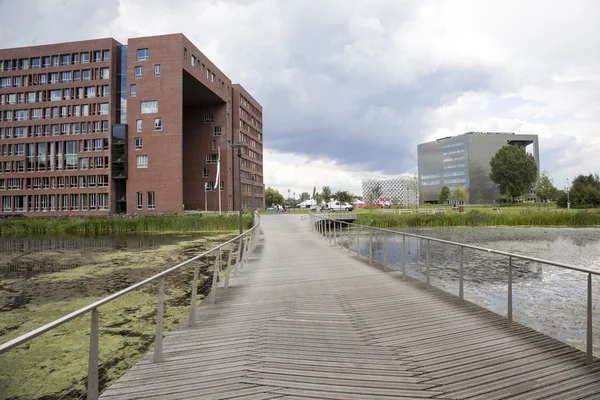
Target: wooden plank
(303, 320)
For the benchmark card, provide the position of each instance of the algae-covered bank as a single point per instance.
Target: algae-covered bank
(43, 279)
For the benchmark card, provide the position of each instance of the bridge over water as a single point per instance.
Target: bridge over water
(305, 319)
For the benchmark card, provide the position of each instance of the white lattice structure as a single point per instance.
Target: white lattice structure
(402, 188)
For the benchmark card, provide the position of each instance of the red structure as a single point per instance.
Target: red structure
(93, 127)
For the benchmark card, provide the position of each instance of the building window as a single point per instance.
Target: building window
(133, 90)
(212, 158)
(222, 185)
(158, 124)
(138, 72)
(217, 130)
(97, 56)
(137, 143)
(151, 200)
(105, 55)
(85, 58)
(142, 54)
(205, 172)
(185, 53)
(142, 161)
(138, 125)
(140, 200)
(104, 73)
(86, 74)
(76, 76)
(75, 58)
(208, 117)
(149, 107)
(66, 59)
(103, 109)
(214, 144)
(157, 70)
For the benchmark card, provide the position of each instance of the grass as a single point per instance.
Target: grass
(482, 217)
(100, 226)
(54, 364)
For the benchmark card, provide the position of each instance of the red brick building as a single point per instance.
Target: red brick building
(94, 126)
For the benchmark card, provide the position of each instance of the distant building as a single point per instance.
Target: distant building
(464, 160)
(399, 189)
(92, 127)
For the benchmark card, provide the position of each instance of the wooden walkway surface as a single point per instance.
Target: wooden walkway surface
(305, 320)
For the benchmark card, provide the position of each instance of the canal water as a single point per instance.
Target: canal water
(549, 299)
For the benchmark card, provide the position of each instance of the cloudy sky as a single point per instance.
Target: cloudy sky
(350, 87)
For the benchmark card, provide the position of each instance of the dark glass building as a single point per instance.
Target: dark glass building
(464, 161)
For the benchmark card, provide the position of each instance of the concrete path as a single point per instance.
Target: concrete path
(307, 320)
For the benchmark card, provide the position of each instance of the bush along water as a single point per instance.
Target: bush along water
(98, 226)
(482, 218)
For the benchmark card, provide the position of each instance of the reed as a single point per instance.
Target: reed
(102, 226)
(481, 218)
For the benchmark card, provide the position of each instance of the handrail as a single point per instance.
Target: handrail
(60, 321)
(327, 232)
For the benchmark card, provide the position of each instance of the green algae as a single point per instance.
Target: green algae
(55, 364)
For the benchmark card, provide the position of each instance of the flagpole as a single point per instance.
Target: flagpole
(219, 183)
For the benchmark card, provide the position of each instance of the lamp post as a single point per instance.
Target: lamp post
(240, 152)
(568, 189)
(253, 175)
(205, 203)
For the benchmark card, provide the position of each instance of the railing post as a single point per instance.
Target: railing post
(348, 237)
(238, 258)
(461, 282)
(192, 318)
(358, 242)
(334, 234)
(509, 315)
(404, 257)
(428, 267)
(92, 384)
(159, 321)
(385, 253)
(228, 268)
(370, 246)
(589, 359)
(217, 265)
(247, 249)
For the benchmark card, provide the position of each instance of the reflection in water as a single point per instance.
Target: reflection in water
(546, 298)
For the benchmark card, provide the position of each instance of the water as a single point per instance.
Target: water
(549, 299)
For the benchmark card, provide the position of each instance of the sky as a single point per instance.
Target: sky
(350, 87)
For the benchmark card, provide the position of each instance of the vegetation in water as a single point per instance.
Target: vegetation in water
(98, 226)
(478, 217)
(54, 365)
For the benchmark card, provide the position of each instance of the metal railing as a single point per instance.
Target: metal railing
(332, 228)
(246, 243)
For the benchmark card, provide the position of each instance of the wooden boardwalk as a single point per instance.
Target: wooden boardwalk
(305, 320)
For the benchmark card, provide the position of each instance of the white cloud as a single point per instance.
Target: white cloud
(350, 90)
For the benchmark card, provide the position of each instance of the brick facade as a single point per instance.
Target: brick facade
(57, 154)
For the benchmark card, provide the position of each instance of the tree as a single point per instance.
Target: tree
(343, 196)
(304, 196)
(585, 191)
(444, 195)
(545, 190)
(272, 196)
(478, 197)
(460, 194)
(395, 200)
(513, 170)
(326, 194)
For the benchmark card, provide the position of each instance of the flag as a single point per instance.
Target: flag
(217, 184)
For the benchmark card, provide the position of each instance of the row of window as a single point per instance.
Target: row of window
(450, 145)
(139, 71)
(455, 180)
(195, 62)
(450, 159)
(454, 173)
(158, 125)
(452, 166)
(36, 114)
(39, 148)
(53, 78)
(54, 182)
(245, 114)
(244, 102)
(52, 162)
(41, 96)
(55, 202)
(447, 153)
(430, 176)
(54, 61)
(74, 128)
(150, 200)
